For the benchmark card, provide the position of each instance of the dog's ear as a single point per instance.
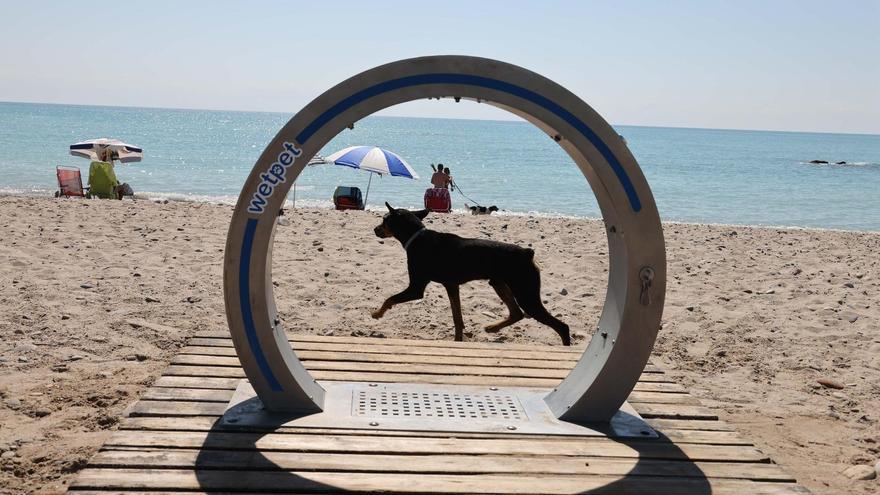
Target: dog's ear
(421, 214)
(389, 207)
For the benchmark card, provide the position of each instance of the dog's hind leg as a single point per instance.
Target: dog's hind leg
(506, 295)
(527, 291)
(455, 304)
(531, 304)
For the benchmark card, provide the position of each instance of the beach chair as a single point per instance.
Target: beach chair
(437, 199)
(69, 182)
(348, 198)
(102, 181)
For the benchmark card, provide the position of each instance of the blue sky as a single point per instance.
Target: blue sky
(783, 65)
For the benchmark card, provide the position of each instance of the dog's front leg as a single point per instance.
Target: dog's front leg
(455, 304)
(416, 290)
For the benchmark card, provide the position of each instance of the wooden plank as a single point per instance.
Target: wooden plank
(214, 395)
(662, 398)
(352, 376)
(489, 464)
(380, 367)
(361, 348)
(332, 351)
(418, 368)
(688, 424)
(673, 411)
(176, 408)
(324, 482)
(405, 357)
(232, 383)
(209, 423)
(368, 444)
(188, 394)
(201, 382)
(372, 372)
(579, 349)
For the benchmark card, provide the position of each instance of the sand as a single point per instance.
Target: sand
(97, 296)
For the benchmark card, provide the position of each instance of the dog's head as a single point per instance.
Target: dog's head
(400, 222)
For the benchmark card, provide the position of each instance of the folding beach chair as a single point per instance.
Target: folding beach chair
(348, 198)
(102, 181)
(437, 199)
(69, 182)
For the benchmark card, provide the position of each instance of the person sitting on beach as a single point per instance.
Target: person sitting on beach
(440, 179)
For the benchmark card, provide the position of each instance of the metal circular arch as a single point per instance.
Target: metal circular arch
(618, 352)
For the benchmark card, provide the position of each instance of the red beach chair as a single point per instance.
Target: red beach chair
(437, 199)
(69, 182)
(348, 198)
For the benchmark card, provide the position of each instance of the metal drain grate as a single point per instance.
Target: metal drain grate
(436, 405)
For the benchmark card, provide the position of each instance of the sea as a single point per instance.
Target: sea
(716, 176)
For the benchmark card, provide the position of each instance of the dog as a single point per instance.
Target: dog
(451, 260)
(481, 210)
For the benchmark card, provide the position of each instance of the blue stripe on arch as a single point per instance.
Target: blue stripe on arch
(395, 166)
(483, 82)
(247, 315)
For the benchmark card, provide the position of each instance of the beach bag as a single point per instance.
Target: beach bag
(438, 199)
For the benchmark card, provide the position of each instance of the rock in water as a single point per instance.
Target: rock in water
(818, 161)
(860, 472)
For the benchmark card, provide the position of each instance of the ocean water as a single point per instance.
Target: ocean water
(697, 175)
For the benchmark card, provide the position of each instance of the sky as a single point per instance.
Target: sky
(775, 65)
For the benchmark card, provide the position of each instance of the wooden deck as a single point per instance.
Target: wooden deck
(171, 441)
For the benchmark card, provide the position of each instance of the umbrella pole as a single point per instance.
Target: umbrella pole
(367, 195)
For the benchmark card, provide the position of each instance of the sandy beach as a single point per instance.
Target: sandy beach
(97, 296)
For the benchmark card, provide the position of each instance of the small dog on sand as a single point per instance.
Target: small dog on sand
(451, 260)
(481, 210)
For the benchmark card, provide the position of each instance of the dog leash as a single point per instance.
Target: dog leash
(458, 189)
(412, 238)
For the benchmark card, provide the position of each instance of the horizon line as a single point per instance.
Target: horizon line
(515, 119)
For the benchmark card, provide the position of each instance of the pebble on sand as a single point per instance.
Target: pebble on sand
(828, 383)
(860, 472)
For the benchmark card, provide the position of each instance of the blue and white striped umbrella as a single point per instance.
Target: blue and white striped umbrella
(372, 159)
(91, 149)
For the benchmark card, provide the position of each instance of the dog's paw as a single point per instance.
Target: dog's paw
(492, 329)
(377, 314)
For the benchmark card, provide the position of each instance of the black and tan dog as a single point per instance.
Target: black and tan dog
(451, 260)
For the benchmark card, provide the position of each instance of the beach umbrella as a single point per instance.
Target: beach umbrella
(125, 153)
(374, 160)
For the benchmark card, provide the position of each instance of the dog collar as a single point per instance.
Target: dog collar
(412, 238)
